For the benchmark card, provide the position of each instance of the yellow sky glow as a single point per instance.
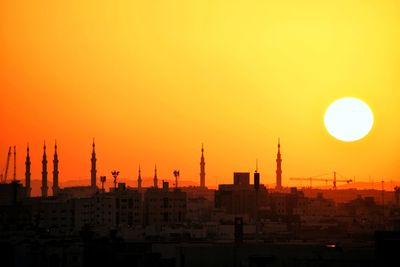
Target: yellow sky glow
(152, 80)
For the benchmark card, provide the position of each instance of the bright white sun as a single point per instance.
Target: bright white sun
(348, 119)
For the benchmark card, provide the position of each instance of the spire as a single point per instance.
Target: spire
(202, 168)
(55, 149)
(155, 177)
(279, 167)
(44, 172)
(139, 180)
(56, 188)
(93, 170)
(28, 173)
(279, 145)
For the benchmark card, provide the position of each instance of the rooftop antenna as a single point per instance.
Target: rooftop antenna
(115, 174)
(176, 174)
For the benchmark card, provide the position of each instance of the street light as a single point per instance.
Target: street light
(115, 175)
(102, 180)
(176, 174)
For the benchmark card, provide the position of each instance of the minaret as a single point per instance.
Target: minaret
(56, 189)
(93, 170)
(202, 169)
(28, 173)
(279, 168)
(44, 173)
(139, 180)
(155, 177)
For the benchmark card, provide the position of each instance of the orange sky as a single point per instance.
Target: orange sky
(152, 80)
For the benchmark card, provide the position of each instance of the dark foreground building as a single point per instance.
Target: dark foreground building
(88, 250)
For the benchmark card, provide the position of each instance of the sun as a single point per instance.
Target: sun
(348, 119)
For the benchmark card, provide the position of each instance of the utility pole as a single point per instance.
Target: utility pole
(256, 188)
(383, 203)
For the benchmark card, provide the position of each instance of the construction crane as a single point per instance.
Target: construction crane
(15, 164)
(326, 180)
(4, 178)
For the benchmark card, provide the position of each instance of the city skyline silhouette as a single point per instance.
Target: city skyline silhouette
(322, 181)
(199, 133)
(151, 88)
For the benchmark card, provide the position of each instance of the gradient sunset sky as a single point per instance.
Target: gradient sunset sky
(152, 80)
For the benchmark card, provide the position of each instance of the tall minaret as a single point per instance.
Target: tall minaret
(202, 169)
(139, 180)
(93, 170)
(44, 172)
(155, 177)
(56, 189)
(279, 168)
(28, 173)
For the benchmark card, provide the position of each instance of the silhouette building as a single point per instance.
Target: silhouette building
(28, 173)
(202, 169)
(164, 206)
(122, 207)
(241, 197)
(10, 194)
(44, 173)
(56, 188)
(279, 168)
(93, 170)
(128, 206)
